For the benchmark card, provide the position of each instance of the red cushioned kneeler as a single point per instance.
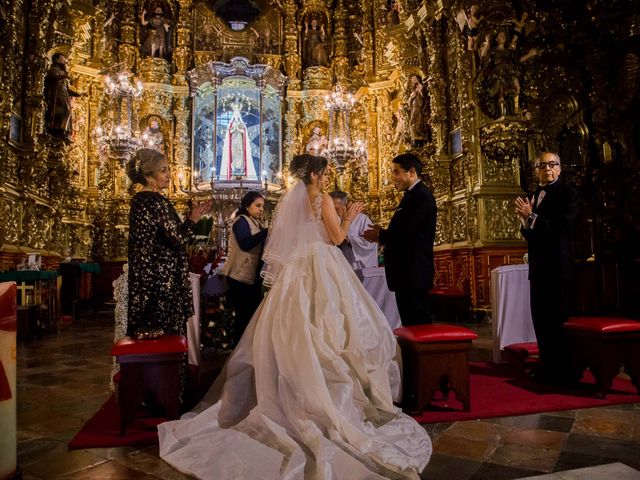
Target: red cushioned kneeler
(149, 366)
(603, 344)
(434, 357)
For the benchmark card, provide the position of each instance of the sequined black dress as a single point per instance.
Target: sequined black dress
(159, 286)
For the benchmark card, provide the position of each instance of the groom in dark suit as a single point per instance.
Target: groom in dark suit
(548, 218)
(408, 242)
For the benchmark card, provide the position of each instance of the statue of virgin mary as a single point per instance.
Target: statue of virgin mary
(236, 154)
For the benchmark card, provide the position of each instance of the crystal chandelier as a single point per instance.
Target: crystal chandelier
(340, 149)
(116, 133)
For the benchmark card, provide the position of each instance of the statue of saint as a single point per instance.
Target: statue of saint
(418, 110)
(316, 143)
(152, 136)
(500, 75)
(237, 160)
(315, 53)
(158, 41)
(57, 92)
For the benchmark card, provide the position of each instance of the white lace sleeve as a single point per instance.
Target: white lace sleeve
(121, 296)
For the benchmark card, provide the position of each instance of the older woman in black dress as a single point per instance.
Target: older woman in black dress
(160, 298)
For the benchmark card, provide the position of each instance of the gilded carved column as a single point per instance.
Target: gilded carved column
(40, 34)
(368, 38)
(182, 141)
(292, 55)
(182, 53)
(435, 47)
(340, 60)
(127, 48)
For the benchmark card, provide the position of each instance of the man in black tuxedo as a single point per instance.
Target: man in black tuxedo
(548, 218)
(408, 242)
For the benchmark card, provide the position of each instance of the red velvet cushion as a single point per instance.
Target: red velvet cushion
(603, 324)
(523, 349)
(434, 333)
(164, 344)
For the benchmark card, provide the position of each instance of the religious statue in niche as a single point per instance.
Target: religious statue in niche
(158, 32)
(356, 48)
(152, 136)
(522, 26)
(418, 107)
(399, 131)
(317, 142)
(315, 44)
(469, 25)
(265, 38)
(499, 78)
(237, 160)
(57, 92)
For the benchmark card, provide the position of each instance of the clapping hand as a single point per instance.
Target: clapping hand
(198, 210)
(353, 209)
(524, 208)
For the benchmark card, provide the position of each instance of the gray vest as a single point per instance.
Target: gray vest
(241, 265)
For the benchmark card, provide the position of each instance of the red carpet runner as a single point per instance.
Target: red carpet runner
(103, 429)
(494, 393)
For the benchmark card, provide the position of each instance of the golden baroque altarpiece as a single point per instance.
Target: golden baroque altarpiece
(475, 95)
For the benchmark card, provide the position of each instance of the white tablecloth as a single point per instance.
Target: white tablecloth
(375, 282)
(510, 306)
(193, 325)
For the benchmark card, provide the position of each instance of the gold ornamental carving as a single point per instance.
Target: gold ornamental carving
(502, 172)
(501, 223)
(459, 223)
(155, 70)
(443, 225)
(10, 229)
(317, 78)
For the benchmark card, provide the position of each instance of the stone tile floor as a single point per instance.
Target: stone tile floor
(64, 378)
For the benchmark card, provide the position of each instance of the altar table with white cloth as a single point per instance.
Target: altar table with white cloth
(510, 307)
(374, 281)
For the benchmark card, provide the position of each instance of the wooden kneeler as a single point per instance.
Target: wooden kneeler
(149, 366)
(434, 357)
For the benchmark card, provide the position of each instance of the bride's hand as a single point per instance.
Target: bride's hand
(353, 209)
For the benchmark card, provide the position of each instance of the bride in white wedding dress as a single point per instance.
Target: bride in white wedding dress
(308, 392)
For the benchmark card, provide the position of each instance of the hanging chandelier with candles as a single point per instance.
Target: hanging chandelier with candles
(340, 149)
(117, 134)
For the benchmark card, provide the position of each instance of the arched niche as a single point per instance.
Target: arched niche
(237, 123)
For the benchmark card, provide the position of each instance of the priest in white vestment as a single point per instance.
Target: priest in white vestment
(363, 258)
(359, 252)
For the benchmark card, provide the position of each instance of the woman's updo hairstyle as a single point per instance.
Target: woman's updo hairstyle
(247, 200)
(302, 166)
(142, 164)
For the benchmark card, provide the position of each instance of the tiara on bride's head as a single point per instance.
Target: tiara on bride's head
(299, 172)
(299, 166)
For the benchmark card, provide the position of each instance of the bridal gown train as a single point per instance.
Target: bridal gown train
(308, 392)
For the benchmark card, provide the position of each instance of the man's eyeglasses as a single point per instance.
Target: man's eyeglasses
(544, 165)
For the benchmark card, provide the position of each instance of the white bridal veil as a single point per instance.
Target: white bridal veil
(294, 225)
